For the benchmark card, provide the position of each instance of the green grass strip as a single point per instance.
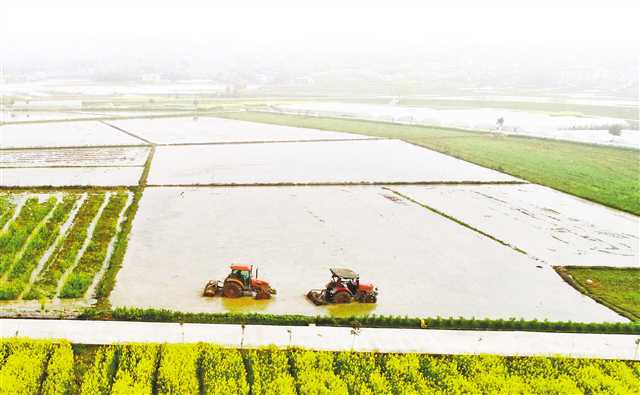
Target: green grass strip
(12, 241)
(82, 275)
(605, 175)
(20, 274)
(369, 321)
(616, 288)
(64, 257)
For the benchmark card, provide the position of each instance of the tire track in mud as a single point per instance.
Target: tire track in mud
(85, 244)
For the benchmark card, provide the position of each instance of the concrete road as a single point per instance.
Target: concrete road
(430, 341)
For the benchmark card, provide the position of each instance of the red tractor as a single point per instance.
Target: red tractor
(240, 282)
(344, 287)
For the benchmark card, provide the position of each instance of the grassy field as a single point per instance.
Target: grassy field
(48, 367)
(610, 176)
(616, 288)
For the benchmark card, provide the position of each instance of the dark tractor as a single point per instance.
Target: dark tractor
(344, 287)
(240, 282)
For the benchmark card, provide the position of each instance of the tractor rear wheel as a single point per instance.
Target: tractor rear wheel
(263, 293)
(342, 297)
(232, 290)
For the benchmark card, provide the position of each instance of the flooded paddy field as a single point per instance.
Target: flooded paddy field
(424, 264)
(217, 130)
(75, 176)
(91, 157)
(63, 134)
(560, 229)
(366, 161)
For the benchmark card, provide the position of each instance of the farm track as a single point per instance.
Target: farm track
(63, 233)
(381, 340)
(85, 244)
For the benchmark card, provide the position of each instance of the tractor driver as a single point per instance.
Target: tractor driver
(244, 276)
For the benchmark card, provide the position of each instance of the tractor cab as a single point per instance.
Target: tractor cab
(240, 282)
(344, 287)
(242, 273)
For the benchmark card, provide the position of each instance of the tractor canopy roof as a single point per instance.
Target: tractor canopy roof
(344, 273)
(241, 267)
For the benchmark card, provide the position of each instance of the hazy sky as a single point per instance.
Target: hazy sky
(78, 29)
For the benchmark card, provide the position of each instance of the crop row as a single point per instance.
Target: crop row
(209, 369)
(12, 240)
(94, 256)
(7, 209)
(30, 367)
(56, 245)
(18, 278)
(65, 255)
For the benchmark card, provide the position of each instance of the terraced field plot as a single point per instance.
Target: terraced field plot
(56, 245)
(216, 130)
(63, 134)
(423, 263)
(560, 229)
(55, 368)
(366, 161)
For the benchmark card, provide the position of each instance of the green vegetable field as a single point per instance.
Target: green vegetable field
(53, 244)
(57, 367)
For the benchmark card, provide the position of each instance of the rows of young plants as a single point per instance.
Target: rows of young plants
(14, 238)
(27, 366)
(91, 262)
(18, 278)
(56, 243)
(65, 255)
(7, 209)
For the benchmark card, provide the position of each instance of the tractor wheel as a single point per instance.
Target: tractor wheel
(342, 297)
(232, 290)
(211, 289)
(263, 293)
(370, 298)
